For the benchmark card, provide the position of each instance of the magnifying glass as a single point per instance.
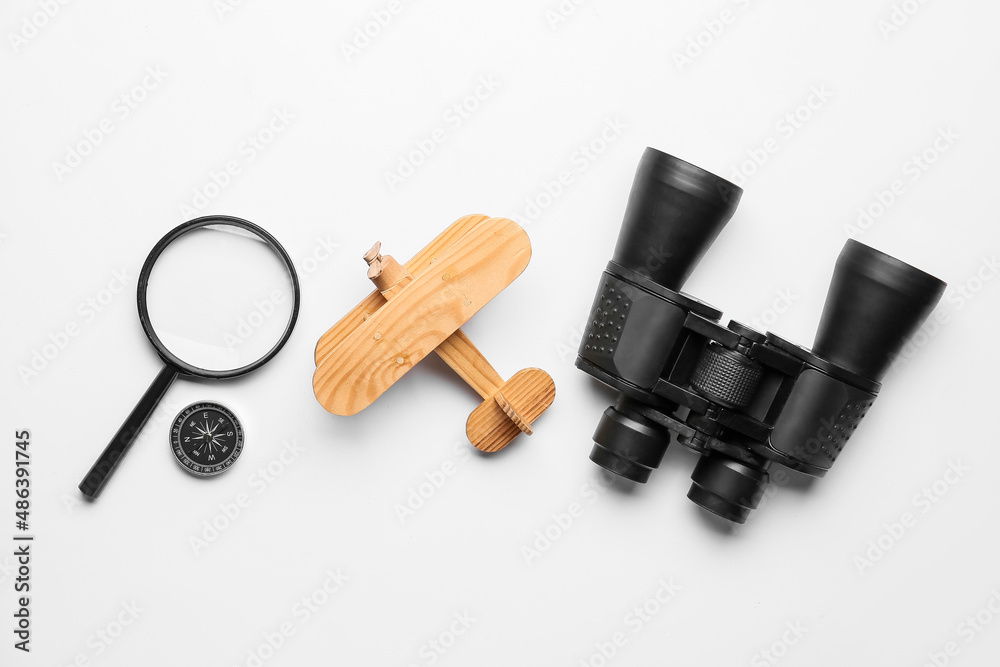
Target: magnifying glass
(218, 297)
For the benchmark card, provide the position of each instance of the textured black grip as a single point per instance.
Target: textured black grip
(631, 333)
(727, 377)
(818, 419)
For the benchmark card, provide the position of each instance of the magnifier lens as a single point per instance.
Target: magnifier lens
(219, 298)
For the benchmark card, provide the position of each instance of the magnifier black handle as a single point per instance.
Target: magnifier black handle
(100, 472)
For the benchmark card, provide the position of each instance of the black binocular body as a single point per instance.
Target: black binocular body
(742, 399)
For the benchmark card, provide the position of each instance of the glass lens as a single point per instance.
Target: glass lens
(219, 298)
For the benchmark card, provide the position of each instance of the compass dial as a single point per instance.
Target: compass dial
(206, 438)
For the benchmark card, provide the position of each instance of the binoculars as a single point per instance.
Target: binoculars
(741, 399)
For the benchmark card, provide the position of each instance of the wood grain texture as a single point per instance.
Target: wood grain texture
(417, 264)
(465, 359)
(530, 393)
(457, 350)
(395, 337)
(534, 393)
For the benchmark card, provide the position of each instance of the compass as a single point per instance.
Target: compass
(206, 438)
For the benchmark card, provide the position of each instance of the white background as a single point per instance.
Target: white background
(557, 82)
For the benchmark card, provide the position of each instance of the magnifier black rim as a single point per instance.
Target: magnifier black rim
(168, 357)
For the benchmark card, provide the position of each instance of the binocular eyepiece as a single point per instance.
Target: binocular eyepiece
(742, 399)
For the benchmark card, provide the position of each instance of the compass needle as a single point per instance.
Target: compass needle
(199, 446)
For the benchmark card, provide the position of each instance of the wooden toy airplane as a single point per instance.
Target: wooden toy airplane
(417, 308)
